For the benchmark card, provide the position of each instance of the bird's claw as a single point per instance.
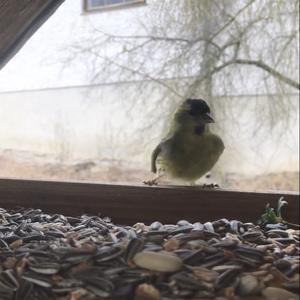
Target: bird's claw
(210, 186)
(154, 181)
(151, 182)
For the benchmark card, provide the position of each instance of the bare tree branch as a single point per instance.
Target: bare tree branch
(270, 70)
(161, 38)
(262, 66)
(133, 71)
(232, 19)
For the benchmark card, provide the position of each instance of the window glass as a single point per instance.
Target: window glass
(99, 4)
(90, 98)
(92, 3)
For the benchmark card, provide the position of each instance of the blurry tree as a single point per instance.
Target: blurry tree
(203, 48)
(62, 135)
(212, 46)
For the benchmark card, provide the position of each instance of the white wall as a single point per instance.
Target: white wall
(107, 121)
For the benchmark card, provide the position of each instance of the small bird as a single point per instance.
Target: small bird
(190, 149)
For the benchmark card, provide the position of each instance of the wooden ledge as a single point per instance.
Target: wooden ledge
(128, 204)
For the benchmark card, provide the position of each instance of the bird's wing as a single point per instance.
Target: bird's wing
(154, 156)
(218, 144)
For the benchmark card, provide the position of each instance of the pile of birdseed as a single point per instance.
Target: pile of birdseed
(45, 256)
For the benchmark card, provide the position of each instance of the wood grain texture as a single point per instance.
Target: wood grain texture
(127, 204)
(18, 22)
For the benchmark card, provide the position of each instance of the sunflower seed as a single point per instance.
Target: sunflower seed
(158, 261)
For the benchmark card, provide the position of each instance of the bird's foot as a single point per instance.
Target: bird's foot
(154, 181)
(210, 186)
(151, 182)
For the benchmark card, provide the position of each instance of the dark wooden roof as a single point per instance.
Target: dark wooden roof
(18, 22)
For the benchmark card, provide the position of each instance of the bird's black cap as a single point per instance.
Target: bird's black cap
(197, 107)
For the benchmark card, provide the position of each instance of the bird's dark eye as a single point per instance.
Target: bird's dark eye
(197, 107)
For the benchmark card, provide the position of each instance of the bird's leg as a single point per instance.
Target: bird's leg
(154, 181)
(209, 185)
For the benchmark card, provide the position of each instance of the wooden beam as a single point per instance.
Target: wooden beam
(127, 204)
(19, 20)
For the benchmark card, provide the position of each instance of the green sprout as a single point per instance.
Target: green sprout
(270, 216)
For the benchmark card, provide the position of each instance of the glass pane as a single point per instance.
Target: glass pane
(95, 101)
(115, 1)
(95, 3)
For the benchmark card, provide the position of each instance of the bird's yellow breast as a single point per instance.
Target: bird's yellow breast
(189, 156)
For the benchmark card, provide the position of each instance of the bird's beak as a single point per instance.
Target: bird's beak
(207, 118)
